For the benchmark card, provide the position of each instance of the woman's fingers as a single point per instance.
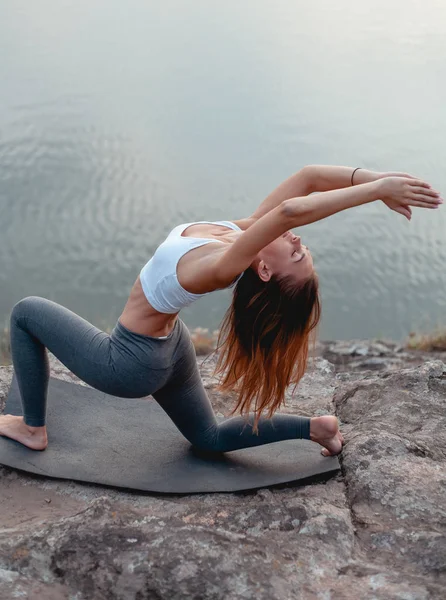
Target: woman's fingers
(425, 199)
(419, 183)
(418, 189)
(409, 192)
(425, 204)
(405, 211)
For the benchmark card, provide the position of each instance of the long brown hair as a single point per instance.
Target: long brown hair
(264, 339)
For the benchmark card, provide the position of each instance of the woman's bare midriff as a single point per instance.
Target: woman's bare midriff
(139, 316)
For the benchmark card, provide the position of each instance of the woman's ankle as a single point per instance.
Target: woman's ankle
(35, 429)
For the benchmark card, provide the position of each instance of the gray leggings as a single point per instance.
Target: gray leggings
(130, 365)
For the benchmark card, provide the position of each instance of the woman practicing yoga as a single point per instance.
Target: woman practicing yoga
(263, 343)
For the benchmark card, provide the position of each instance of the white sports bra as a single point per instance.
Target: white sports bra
(158, 277)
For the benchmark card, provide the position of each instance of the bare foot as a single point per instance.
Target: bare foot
(16, 429)
(325, 431)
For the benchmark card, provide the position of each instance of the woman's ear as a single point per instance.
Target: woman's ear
(263, 271)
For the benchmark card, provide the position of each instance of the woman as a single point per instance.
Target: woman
(264, 340)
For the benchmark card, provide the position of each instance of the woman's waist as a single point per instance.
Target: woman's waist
(149, 351)
(140, 317)
(150, 326)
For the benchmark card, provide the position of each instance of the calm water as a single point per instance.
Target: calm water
(119, 120)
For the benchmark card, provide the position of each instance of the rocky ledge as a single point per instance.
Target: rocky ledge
(374, 531)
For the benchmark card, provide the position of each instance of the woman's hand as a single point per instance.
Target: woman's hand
(396, 174)
(399, 192)
(366, 176)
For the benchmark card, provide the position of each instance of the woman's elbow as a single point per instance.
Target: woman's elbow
(309, 175)
(295, 211)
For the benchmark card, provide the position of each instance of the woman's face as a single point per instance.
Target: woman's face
(285, 256)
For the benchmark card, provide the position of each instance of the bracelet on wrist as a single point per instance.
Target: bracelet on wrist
(354, 171)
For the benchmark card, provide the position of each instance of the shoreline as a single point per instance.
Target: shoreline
(432, 344)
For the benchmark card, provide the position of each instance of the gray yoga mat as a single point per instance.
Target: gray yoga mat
(133, 444)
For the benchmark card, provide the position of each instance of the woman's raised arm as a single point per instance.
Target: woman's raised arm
(322, 178)
(296, 212)
(295, 186)
(396, 192)
(316, 178)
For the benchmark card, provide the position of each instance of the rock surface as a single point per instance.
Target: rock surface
(377, 530)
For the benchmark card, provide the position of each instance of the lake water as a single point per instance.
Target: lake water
(119, 120)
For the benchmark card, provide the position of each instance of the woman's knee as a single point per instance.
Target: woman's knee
(26, 307)
(207, 441)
